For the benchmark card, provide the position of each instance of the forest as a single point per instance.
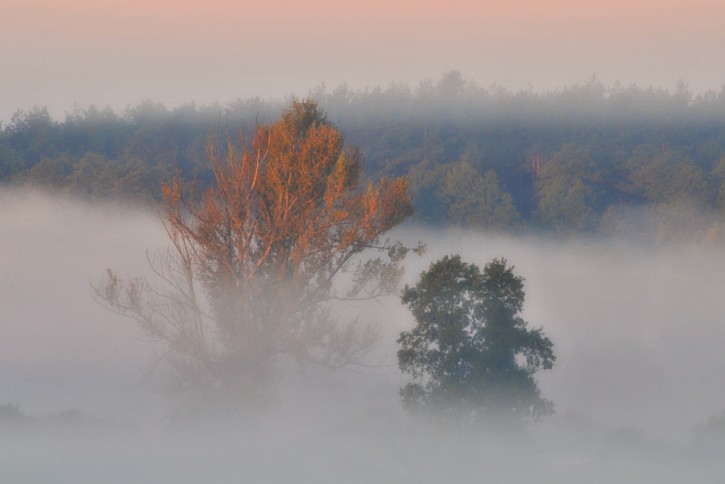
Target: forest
(419, 284)
(583, 159)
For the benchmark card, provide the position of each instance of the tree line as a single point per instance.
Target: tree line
(581, 159)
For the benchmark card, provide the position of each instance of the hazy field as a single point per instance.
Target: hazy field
(638, 333)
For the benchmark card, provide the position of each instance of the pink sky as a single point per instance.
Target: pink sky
(61, 52)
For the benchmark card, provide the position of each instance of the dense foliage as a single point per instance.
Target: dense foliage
(578, 159)
(471, 353)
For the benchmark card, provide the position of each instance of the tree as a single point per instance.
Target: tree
(668, 176)
(253, 265)
(48, 172)
(470, 351)
(94, 176)
(568, 190)
(10, 163)
(477, 201)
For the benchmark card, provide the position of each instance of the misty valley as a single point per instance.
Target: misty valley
(448, 284)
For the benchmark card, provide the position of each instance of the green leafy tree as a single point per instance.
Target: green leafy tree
(668, 176)
(94, 176)
(49, 172)
(141, 181)
(424, 179)
(470, 352)
(568, 190)
(477, 201)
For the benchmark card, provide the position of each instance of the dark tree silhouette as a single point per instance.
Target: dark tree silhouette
(471, 353)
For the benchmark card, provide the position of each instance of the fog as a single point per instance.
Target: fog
(74, 51)
(637, 330)
(58, 348)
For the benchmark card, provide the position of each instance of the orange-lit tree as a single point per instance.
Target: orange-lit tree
(254, 265)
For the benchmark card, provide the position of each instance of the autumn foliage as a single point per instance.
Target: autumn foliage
(253, 265)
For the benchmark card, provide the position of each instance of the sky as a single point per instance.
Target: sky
(61, 53)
